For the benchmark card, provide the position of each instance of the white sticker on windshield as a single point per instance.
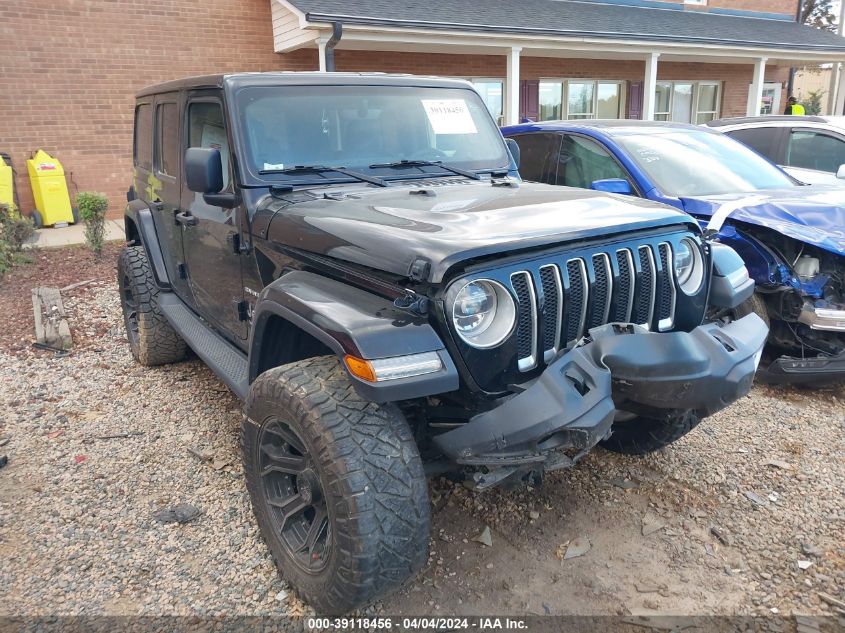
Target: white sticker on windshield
(449, 116)
(269, 166)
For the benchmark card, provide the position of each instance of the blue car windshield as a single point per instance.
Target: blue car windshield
(689, 163)
(366, 129)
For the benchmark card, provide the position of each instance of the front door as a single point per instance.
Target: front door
(210, 234)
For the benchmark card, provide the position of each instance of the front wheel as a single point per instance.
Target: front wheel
(336, 483)
(639, 435)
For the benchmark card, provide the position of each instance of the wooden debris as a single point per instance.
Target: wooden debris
(51, 326)
(78, 284)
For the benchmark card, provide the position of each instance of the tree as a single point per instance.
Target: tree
(819, 14)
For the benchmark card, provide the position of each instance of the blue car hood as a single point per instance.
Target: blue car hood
(813, 214)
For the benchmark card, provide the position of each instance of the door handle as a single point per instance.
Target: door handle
(186, 219)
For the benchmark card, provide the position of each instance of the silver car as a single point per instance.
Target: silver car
(809, 148)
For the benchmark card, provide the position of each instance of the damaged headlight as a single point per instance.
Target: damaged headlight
(483, 313)
(689, 266)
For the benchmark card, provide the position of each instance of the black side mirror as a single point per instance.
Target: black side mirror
(203, 169)
(513, 148)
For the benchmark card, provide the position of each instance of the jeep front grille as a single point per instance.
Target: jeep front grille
(558, 302)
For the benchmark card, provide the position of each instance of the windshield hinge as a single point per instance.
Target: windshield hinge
(419, 270)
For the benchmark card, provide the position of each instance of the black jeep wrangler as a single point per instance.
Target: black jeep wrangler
(356, 258)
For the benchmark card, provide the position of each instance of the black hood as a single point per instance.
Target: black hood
(388, 229)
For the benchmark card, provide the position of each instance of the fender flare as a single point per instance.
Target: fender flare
(141, 217)
(352, 321)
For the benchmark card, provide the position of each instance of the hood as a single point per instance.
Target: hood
(389, 229)
(814, 214)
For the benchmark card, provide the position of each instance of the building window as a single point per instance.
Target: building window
(707, 103)
(686, 101)
(580, 99)
(492, 92)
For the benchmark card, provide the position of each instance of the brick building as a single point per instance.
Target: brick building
(70, 68)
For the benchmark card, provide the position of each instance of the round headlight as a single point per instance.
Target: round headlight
(689, 266)
(483, 313)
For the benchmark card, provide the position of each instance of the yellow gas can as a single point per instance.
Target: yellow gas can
(49, 189)
(7, 191)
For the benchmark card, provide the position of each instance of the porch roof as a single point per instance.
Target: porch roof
(585, 20)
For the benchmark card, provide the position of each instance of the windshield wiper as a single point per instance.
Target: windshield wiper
(429, 163)
(317, 169)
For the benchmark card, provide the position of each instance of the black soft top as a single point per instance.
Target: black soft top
(238, 80)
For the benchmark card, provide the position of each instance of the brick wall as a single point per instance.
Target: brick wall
(787, 7)
(70, 70)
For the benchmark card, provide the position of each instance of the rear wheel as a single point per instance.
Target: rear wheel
(336, 483)
(151, 338)
(37, 220)
(640, 435)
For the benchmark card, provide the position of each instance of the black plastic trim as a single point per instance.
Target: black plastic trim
(140, 214)
(352, 321)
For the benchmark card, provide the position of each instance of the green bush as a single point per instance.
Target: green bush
(15, 229)
(813, 103)
(92, 210)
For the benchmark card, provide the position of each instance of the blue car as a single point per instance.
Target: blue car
(790, 235)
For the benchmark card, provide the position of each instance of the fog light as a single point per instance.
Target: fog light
(394, 368)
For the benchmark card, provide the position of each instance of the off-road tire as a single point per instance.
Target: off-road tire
(373, 484)
(754, 304)
(641, 435)
(151, 338)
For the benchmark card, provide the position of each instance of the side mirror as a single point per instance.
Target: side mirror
(613, 185)
(840, 173)
(203, 169)
(513, 148)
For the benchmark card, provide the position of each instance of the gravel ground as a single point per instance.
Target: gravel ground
(721, 522)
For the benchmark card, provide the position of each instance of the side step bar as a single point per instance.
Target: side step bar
(225, 360)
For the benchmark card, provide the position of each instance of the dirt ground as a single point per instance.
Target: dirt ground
(745, 515)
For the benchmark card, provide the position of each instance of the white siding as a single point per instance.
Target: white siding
(287, 32)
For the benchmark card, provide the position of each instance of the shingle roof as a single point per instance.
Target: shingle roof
(574, 18)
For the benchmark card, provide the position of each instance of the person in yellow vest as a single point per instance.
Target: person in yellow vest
(793, 107)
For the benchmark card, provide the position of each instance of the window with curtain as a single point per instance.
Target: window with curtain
(686, 101)
(708, 103)
(580, 99)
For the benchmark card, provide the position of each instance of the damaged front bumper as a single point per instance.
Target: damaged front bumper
(798, 371)
(820, 316)
(572, 404)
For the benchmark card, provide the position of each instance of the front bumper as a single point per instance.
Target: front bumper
(572, 404)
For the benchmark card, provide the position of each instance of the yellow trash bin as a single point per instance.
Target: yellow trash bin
(7, 189)
(49, 188)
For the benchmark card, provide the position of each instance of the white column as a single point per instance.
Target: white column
(755, 96)
(839, 108)
(650, 86)
(321, 52)
(512, 87)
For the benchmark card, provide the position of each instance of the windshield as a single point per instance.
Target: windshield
(366, 129)
(699, 163)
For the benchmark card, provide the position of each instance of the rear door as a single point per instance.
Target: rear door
(211, 235)
(819, 151)
(163, 188)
